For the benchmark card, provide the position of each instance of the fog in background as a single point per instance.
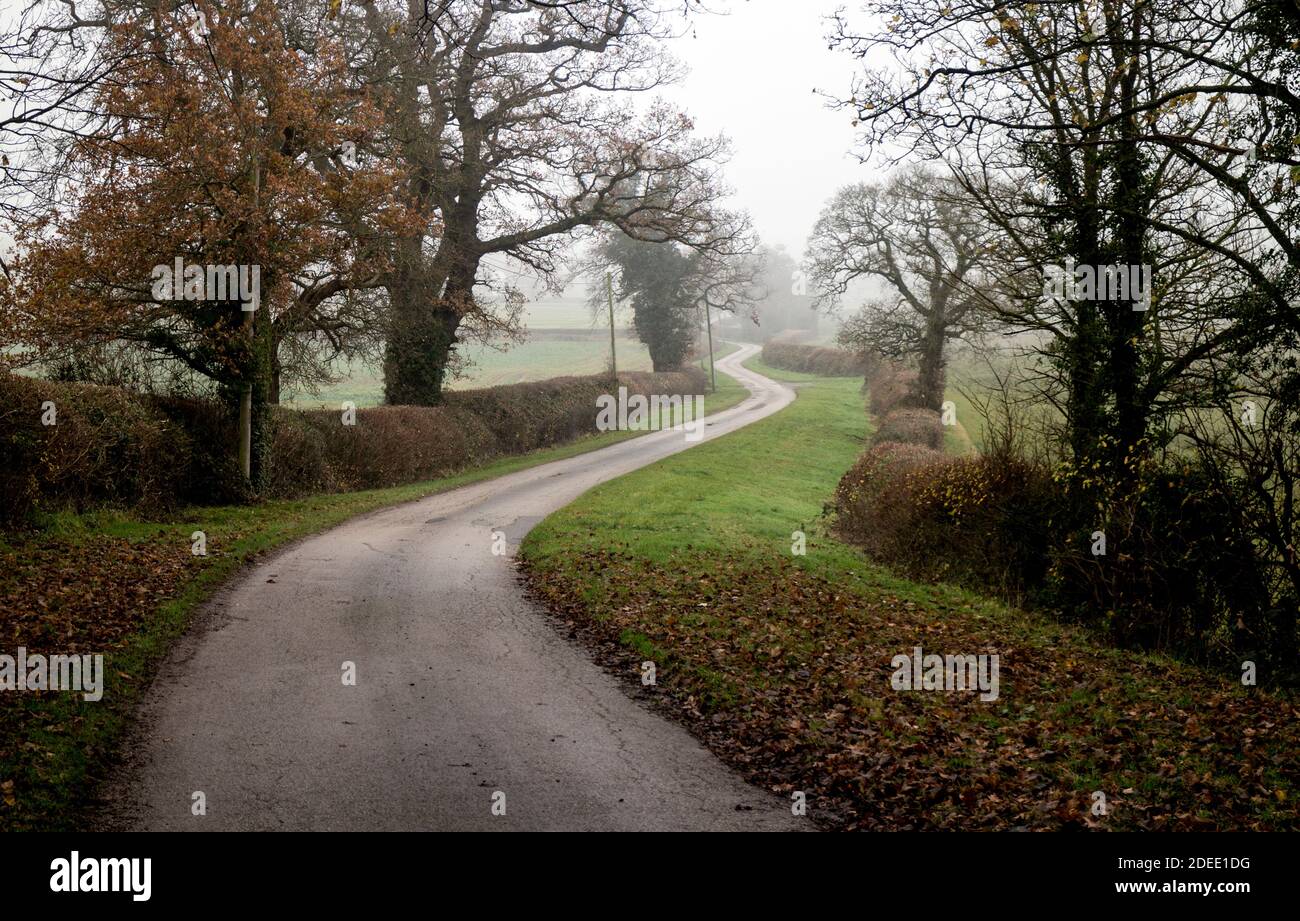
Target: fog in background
(754, 73)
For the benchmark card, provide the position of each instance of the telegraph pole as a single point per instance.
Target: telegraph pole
(609, 294)
(708, 328)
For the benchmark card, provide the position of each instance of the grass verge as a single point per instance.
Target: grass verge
(782, 663)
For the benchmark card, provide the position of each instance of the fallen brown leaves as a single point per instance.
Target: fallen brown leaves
(83, 596)
(786, 676)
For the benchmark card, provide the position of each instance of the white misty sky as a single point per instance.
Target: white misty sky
(753, 72)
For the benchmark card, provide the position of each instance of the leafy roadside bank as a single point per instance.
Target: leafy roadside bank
(781, 663)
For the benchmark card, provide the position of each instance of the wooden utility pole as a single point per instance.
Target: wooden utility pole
(246, 387)
(609, 294)
(246, 411)
(708, 328)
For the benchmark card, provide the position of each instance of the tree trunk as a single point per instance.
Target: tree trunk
(1084, 350)
(664, 356)
(261, 432)
(246, 430)
(1086, 401)
(1132, 206)
(422, 334)
(931, 378)
(420, 340)
(273, 394)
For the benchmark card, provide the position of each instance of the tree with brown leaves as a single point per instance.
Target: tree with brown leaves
(231, 147)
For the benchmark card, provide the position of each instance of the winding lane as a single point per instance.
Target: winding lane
(463, 689)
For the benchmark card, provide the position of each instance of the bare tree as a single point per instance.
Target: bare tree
(52, 65)
(1048, 115)
(501, 118)
(921, 235)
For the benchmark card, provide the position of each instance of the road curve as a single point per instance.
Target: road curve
(463, 689)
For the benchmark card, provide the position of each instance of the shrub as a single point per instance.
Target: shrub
(209, 475)
(114, 447)
(299, 453)
(985, 522)
(890, 386)
(912, 426)
(813, 359)
(104, 446)
(1179, 572)
(314, 451)
(873, 500)
(981, 522)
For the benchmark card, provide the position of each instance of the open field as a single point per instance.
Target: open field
(564, 340)
(570, 311)
(563, 343)
(535, 360)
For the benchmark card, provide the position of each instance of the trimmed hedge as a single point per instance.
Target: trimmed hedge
(983, 522)
(110, 446)
(890, 386)
(911, 425)
(813, 359)
(104, 446)
(874, 500)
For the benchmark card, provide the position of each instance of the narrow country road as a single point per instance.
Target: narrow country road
(463, 689)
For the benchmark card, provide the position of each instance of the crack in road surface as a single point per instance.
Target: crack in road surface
(463, 688)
